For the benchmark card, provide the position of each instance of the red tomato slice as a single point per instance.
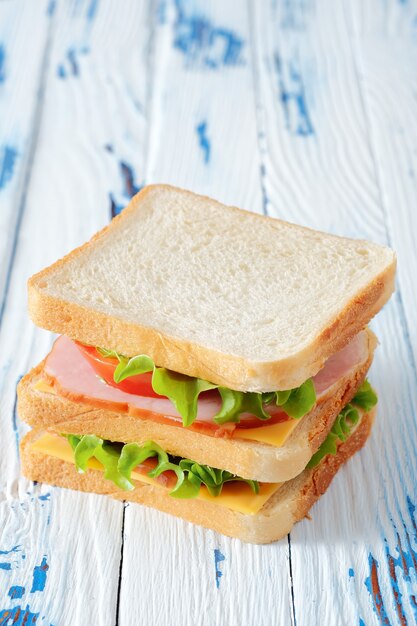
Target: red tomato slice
(166, 479)
(140, 385)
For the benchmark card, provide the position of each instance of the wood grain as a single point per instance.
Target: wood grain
(23, 52)
(305, 110)
(82, 115)
(331, 181)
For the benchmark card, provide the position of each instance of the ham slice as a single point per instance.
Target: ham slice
(341, 363)
(72, 376)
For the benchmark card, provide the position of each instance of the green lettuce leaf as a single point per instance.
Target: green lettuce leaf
(73, 440)
(132, 455)
(234, 403)
(140, 364)
(120, 460)
(84, 449)
(183, 391)
(365, 398)
(110, 354)
(109, 457)
(345, 421)
(295, 402)
(89, 446)
(299, 401)
(212, 478)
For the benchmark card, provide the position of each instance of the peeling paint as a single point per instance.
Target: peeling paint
(92, 10)
(18, 616)
(203, 44)
(16, 592)
(2, 63)
(293, 97)
(14, 420)
(39, 576)
(14, 549)
(129, 188)
(7, 165)
(218, 558)
(373, 586)
(71, 65)
(50, 10)
(203, 140)
(5, 566)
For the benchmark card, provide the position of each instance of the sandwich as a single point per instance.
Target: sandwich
(211, 363)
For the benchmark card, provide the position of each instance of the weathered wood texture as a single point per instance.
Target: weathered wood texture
(305, 110)
(324, 164)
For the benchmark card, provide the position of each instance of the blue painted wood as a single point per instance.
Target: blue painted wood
(23, 58)
(331, 178)
(304, 110)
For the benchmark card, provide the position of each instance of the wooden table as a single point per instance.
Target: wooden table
(299, 109)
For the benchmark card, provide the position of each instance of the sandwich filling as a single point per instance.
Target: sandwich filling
(104, 379)
(127, 464)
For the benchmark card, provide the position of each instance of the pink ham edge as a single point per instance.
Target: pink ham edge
(73, 373)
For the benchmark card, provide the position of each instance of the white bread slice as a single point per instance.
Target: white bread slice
(245, 301)
(288, 505)
(252, 460)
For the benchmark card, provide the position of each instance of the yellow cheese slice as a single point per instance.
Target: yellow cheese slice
(235, 496)
(275, 435)
(42, 385)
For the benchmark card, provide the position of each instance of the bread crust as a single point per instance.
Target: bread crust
(287, 506)
(252, 460)
(96, 328)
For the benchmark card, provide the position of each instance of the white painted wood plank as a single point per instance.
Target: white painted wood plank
(359, 551)
(333, 169)
(204, 133)
(196, 576)
(22, 53)
(203, 76)
(385, 45)
(89, 157)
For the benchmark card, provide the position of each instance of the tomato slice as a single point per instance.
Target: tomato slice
(166, 479)
(139, 385)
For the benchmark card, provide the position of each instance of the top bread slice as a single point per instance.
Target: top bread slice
(242, 300)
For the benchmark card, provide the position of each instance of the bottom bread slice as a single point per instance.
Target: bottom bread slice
(289, 504)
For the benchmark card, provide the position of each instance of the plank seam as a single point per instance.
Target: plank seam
(28, 168)
(293, 617)
(260, 127)
(149, 112)
(262, 172)
(119, 584)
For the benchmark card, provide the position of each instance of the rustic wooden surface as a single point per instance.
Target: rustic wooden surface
(301, 109)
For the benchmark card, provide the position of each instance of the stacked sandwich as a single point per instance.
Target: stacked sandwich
(212, 363)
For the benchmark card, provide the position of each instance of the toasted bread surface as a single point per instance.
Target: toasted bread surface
(245, 301)
(287, 506)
